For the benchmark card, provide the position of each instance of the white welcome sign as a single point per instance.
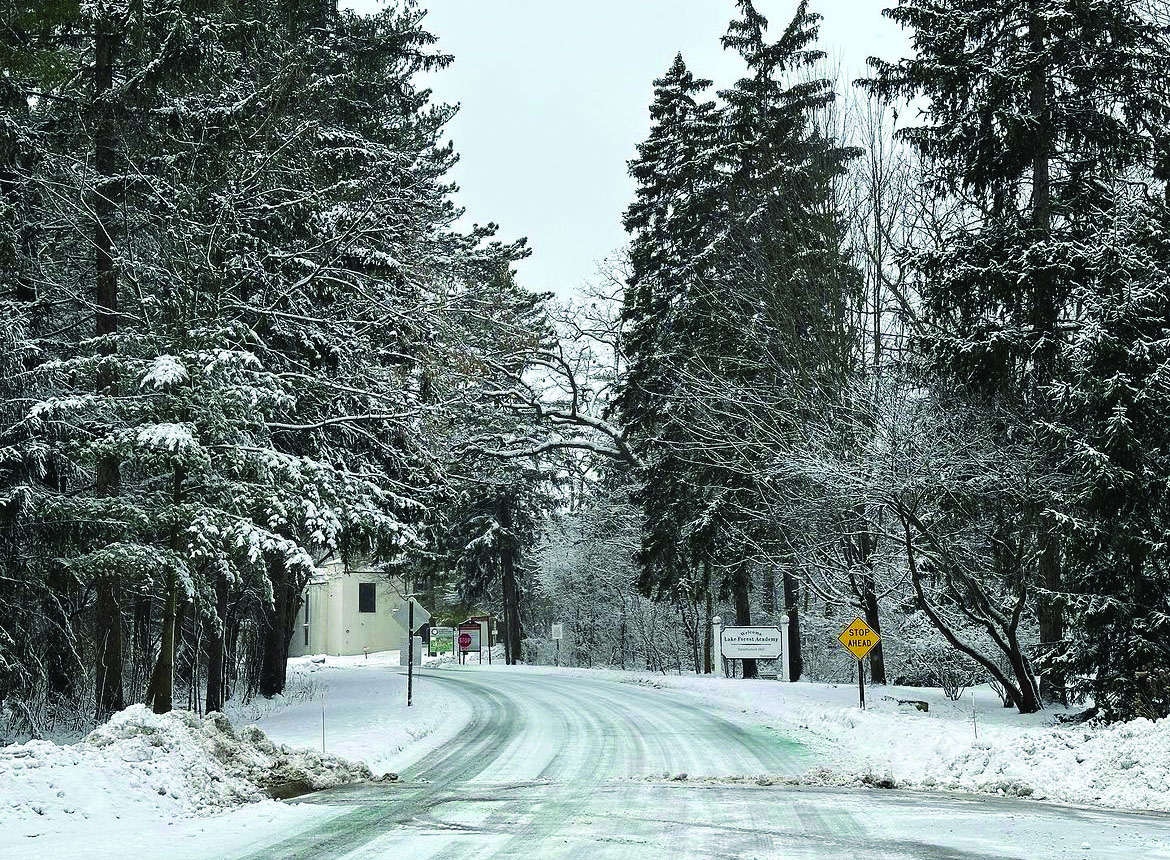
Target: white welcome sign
(761, 643)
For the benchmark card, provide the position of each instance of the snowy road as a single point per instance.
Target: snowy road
(559, 766)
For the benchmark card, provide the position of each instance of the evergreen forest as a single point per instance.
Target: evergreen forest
(895, 348)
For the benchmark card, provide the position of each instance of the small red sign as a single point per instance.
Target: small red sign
(464, 641)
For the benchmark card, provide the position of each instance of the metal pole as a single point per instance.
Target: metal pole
(861, 682)
(409, 649)
(558, 652)
(717, 645)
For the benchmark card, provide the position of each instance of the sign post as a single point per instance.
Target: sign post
(409, 649)
(859, 639)
(716, 646)
(558, 630)
(470, 639)
(407, 616)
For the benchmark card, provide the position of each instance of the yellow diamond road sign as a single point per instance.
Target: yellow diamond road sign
(858, 638)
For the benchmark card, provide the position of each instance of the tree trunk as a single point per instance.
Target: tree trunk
(708, 630)
(108, 617)
(1048, 612)
(511, 588)
(741, 595)
(792, 603)
(1026, 697)
(160, 693)
(216, 686)
(877, 661)
(512, 630)
(768, 592)
(107, 197)
(1050, 615)
(277, 629)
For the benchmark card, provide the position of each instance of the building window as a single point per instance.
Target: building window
(366, 602)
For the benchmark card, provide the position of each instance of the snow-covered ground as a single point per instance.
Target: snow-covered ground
(365, 712)
(974, 744)
(142, 777)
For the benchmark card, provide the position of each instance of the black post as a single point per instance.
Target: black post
(558, 652)
(409, 649)
(861, 682)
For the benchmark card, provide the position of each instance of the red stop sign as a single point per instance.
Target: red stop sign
(464, 641)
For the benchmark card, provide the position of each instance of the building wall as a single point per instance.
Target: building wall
(313, 619)
(334, 624)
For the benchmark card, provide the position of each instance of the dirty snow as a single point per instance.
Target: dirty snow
(142, 778)
(974, 744)
(141, 764)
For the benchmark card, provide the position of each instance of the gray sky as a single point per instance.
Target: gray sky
(554, 97)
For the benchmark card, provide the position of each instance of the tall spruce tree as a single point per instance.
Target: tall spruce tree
(1110, 404)
(677, 175)
(753, 286)
(244, 286)
(1034, 111)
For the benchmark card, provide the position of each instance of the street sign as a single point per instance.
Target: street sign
(858, 638)
(760, 643)
(558, 631)
(402, 615)
(442, 640)
(469, 638)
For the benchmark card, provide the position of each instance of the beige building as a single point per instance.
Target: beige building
(346, 612)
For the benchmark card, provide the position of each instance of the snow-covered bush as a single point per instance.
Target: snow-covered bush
(929, 660)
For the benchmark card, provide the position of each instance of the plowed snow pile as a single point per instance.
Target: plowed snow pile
(996, 750)
(161, 767)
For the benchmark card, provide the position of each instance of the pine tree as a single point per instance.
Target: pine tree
(1111, 404)
(270, 230)
(1033, 110)
(753, 286)
(676, 172)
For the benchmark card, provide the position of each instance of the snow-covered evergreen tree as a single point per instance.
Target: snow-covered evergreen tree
(1035, 115)
(251, 241)
(754, 289)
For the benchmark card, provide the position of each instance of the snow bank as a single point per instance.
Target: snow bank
(141, 764)
(994, 751)
(1124, 765)
(999, 751)
(366, 717)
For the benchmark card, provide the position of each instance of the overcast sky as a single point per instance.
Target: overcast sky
(554, 97)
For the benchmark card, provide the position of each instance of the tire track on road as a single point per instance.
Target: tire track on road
(578, 732)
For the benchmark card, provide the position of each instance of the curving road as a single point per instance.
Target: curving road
(555, 766)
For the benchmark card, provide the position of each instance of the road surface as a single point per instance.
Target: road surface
(555, 767)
